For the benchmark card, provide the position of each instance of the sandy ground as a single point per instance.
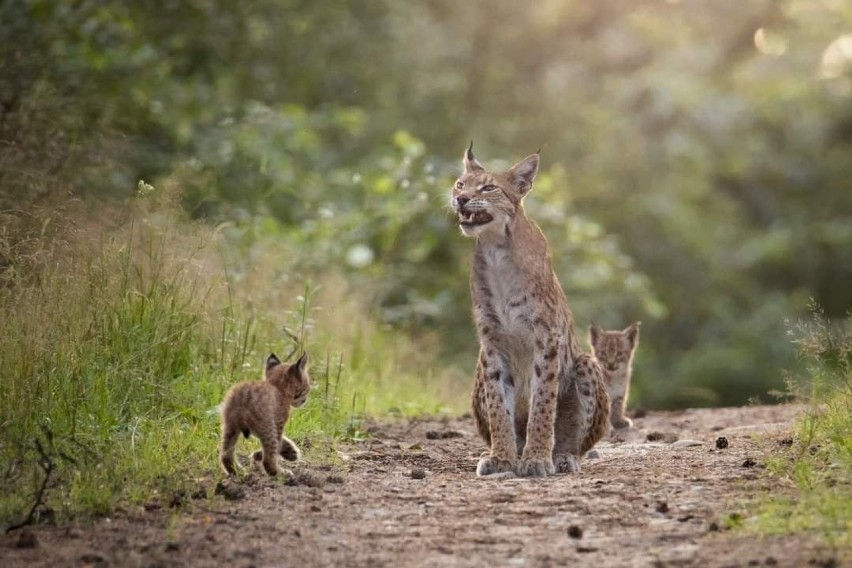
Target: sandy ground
(656, 495)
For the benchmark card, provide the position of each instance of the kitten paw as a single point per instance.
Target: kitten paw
(566, 463)
(290, 452)
(530, 467)
(489, 465)
(623, 422)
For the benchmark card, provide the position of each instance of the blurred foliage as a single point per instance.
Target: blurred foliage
(696, 154)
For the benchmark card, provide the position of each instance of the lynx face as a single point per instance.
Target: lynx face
(614, 349)
(486, 202)
(294, 376)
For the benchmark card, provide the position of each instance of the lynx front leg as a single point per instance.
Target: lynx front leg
(537, 460)
(498, 386)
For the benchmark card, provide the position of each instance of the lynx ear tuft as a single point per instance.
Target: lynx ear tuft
(272, 360)
(471, 164)
(302, 363)
(523, 173)
(632, 333)
(594, 334)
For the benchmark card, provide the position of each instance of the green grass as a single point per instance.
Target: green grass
(119, 343)
(817, 469)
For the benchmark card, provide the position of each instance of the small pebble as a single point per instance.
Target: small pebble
(593, 455)
(417, 473)
(721, 443)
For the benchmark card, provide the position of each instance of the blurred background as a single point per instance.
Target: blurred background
(696, 167)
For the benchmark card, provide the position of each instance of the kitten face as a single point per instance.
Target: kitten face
(295, 376)
(614, 349)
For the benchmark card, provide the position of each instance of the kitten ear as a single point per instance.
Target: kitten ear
(272, 360)
(302, 363)
(632, 333)
(594, 334)
(471, 164)
(523, 173)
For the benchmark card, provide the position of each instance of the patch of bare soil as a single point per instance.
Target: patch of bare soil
(655, 495)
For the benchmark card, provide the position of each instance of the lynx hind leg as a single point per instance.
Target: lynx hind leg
(479, 406)
(268, 455)
(602, 405)
(226, 449)
(289, 450)
(582, 415)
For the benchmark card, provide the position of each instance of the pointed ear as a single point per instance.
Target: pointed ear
(272, 360)
(302, 363)
(594, 334)
(523, 173)
(471, 164)
(632, 333)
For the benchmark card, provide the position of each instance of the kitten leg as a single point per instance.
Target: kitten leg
(270, 443)
(617, 414)
(288, 450)
(226, 450)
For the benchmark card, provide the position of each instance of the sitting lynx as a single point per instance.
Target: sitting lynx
(262, 408)
(614, 350)
(539, 401)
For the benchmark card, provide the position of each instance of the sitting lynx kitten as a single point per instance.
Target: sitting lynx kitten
(539, 401)
(614, 351)
(262, 408)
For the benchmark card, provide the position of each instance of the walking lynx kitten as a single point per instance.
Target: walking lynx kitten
(537, 395)
(614, 350)
(262, 408)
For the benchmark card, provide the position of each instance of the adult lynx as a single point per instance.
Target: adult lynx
(539, 401)
(262, 408)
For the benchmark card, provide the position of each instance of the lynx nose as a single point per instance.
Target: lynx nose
(461, 201)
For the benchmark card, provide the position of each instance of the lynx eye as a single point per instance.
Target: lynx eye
(459, 185)
(489, 188)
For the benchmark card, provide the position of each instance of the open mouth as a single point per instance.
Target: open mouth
(474, 218)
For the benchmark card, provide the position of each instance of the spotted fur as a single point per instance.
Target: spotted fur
(532, 375)
(261, 408)
(614, 350)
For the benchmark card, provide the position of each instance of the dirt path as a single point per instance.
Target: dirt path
(409, 497)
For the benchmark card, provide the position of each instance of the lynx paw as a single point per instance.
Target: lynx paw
(529, 467)
(622, 422)
(489, 465)
(566, 463)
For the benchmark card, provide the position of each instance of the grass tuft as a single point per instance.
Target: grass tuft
(818, 465)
